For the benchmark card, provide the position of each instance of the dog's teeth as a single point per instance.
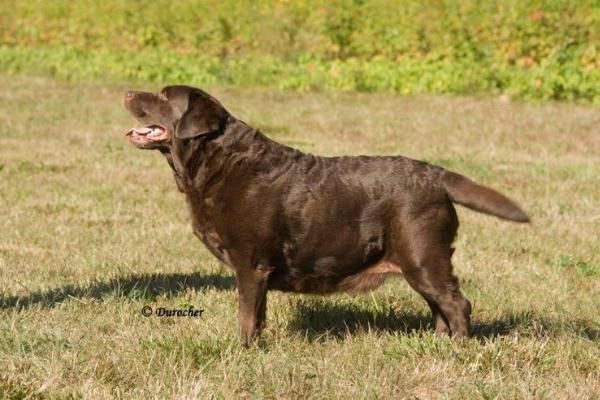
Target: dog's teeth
(155, 132)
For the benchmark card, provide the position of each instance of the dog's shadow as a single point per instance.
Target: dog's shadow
(319, 321)
(145, 286)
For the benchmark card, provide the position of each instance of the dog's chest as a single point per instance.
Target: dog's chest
(204, 214)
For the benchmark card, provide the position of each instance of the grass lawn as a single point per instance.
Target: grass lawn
(93, 230)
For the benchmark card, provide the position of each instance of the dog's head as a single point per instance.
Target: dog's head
(174, 113)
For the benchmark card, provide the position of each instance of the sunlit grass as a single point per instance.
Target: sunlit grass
(93, 230)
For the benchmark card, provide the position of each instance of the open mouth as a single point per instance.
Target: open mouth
(146, 135)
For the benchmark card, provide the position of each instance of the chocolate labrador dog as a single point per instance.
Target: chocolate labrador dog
(297, 222)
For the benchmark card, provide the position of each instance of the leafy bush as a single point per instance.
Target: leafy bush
(536, 49)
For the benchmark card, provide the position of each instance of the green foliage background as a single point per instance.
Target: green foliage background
(533, 49)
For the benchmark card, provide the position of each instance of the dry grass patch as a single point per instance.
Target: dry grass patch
(93, 230)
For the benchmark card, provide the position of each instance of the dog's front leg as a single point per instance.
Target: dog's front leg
(252, 291)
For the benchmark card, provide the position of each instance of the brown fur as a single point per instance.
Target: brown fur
(291, 221)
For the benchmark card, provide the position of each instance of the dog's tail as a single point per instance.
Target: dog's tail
(477, 197)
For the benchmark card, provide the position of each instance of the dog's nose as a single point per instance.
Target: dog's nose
(129, 95)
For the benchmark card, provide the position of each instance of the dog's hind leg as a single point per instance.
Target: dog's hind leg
(435, 282)
(423, 252)
(440, 323)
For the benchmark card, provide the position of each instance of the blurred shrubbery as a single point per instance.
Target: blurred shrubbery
(539, 49)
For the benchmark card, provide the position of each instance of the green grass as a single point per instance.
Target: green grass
(93, 230)
(531, 49)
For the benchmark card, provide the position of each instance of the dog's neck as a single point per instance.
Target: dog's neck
(196, 162)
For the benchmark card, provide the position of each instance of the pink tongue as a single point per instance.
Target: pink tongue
(142, 130)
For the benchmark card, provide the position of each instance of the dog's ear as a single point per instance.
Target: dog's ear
(203, 115)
